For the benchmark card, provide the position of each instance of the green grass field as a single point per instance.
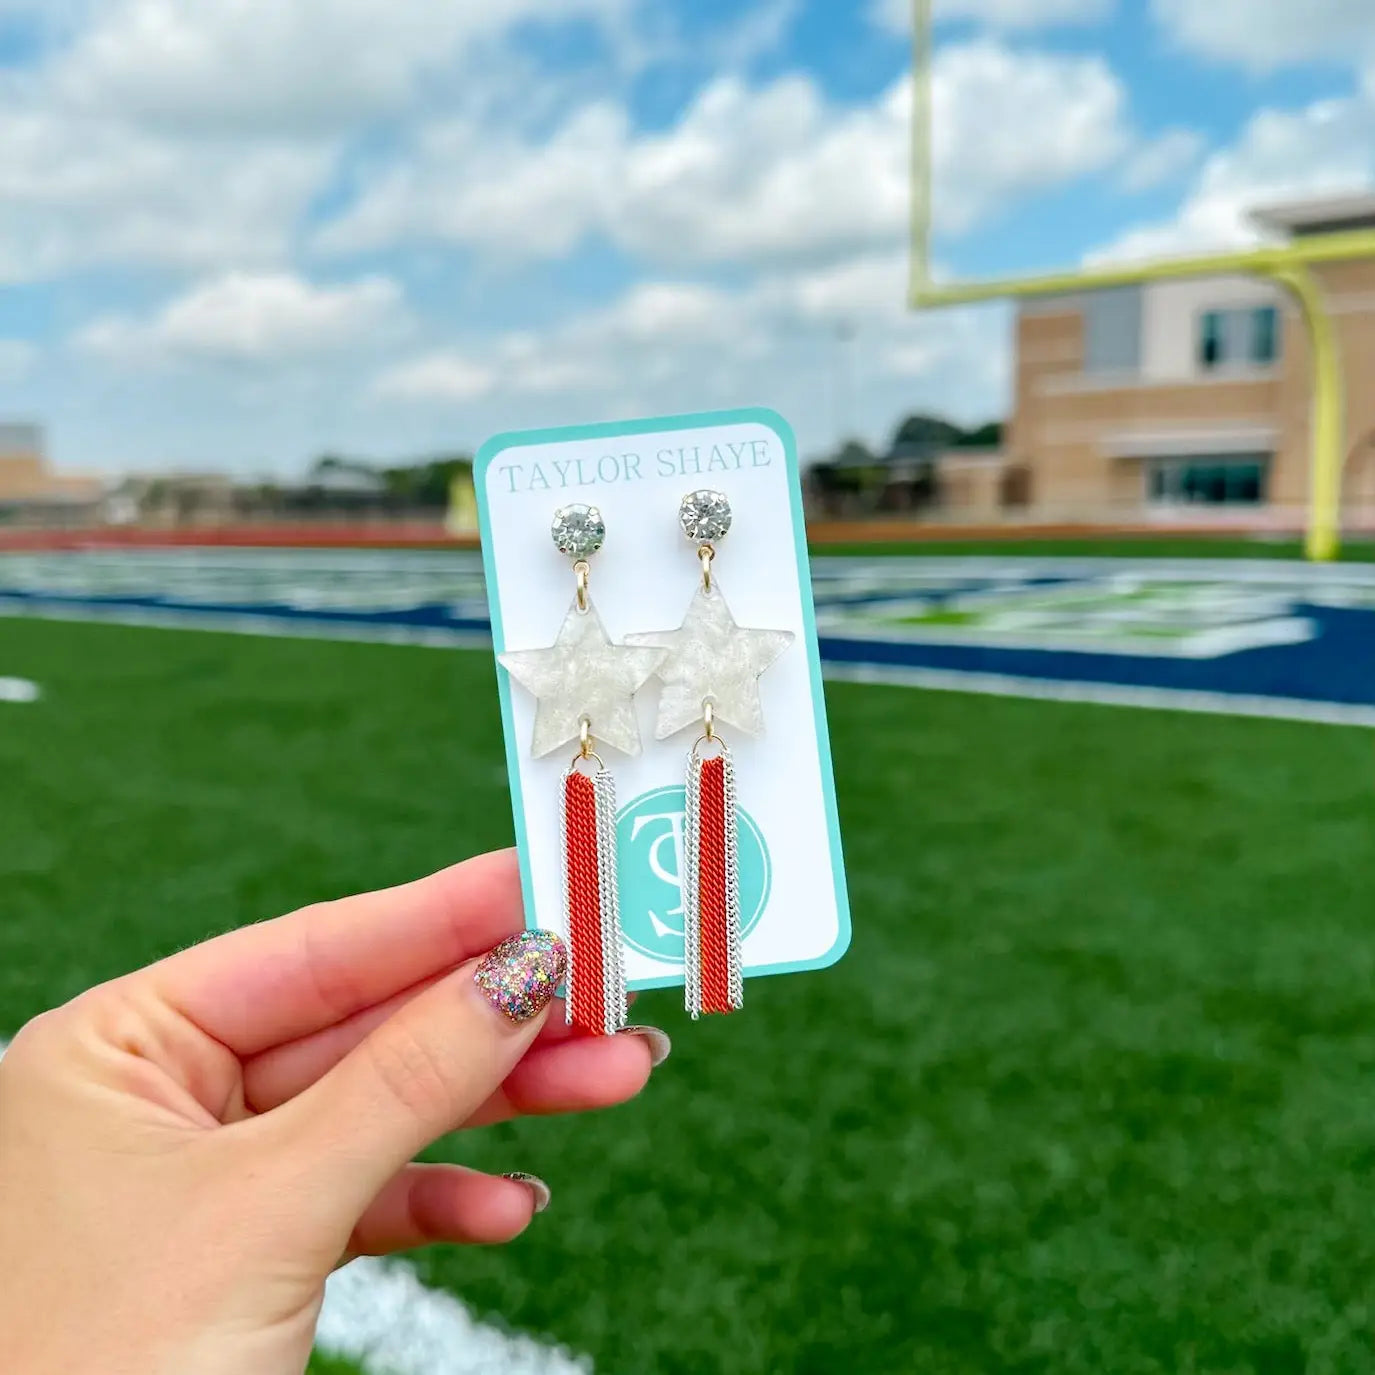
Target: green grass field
(331, 1365)
(1091, 1092)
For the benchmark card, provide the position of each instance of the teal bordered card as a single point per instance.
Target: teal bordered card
(794, 908)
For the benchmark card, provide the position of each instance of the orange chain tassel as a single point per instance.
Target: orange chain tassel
(711, 895)
(596, 978)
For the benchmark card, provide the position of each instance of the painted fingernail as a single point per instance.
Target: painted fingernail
(519, 976)
(660, 1047)
(535, 1184)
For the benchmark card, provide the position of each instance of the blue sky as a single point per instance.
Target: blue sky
(236, 233)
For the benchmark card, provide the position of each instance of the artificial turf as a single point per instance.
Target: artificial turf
(1091, 1092)
(321, 1364)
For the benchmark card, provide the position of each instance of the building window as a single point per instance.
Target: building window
(1265, 335)
(1112, 331)
(1239, 338)
(1207, 480)
(1210, 351)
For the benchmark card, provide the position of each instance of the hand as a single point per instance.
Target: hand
(186, 1152)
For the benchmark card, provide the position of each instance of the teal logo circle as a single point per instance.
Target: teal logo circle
(649, 838)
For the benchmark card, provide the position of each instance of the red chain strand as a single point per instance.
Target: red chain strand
(715, 941)
(587, 1005)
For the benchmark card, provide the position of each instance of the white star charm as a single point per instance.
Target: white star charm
(710, 658)
(583, 676)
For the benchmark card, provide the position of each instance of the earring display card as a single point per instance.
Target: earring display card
(794, 914)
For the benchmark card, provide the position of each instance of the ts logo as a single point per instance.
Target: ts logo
(649, 835)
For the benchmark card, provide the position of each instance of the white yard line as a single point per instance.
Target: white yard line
(1053, 565)
(18, 690)
(1102, 694)
(246, 623)
(378, 1314)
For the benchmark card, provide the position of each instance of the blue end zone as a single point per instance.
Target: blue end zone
(1277, 639)
(1337, 665)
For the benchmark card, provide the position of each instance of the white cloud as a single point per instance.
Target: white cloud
(441, 376)
(869, 290)
(198, 136)
(1010, 124)
(757, 32)
(646, 334)
(896, 15)
(304, 66)
(1270, 33)
(254, 318)
(753, 174)
(466, 183)
(76, 192)
(1327, 148)
(776, 341)
(1161, 159)
(749, 174)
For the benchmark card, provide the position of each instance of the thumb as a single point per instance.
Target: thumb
(425, 1070)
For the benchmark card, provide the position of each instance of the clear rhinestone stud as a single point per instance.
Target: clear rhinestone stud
(705, 516)
(578, 531)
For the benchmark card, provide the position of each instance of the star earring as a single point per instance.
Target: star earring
(710, 674)
(585, 688)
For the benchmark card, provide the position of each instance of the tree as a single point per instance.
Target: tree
(926, 431)
(989, 436)
(854, 453)
(426, 484)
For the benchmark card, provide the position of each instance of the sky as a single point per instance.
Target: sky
(235, 234)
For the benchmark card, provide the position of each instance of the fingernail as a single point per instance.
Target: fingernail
(519, 976)
(660, 1047)
(535, 1184)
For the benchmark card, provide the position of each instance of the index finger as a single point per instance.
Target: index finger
(260, 986)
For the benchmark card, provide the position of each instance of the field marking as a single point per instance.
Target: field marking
(848, 589)
(1203, 643)
(378, 1314)
(19, 690)
(1101, 694)
(887, 675)
(246, 623)
(1055, 565)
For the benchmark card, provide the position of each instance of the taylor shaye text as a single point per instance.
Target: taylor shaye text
(692, 460)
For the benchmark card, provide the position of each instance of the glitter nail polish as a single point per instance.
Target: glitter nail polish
(519, 976)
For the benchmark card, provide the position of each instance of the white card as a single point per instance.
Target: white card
(794, 910)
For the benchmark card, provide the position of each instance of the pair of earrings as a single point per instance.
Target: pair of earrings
(585, 687)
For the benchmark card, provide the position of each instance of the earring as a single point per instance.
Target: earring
(585, 687)
(710, 674)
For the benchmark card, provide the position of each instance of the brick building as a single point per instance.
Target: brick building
(1191, 398)
(31, 492)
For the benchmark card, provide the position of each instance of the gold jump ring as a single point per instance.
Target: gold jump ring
(706, 554)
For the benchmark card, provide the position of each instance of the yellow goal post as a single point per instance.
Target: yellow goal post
(1287, 264)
